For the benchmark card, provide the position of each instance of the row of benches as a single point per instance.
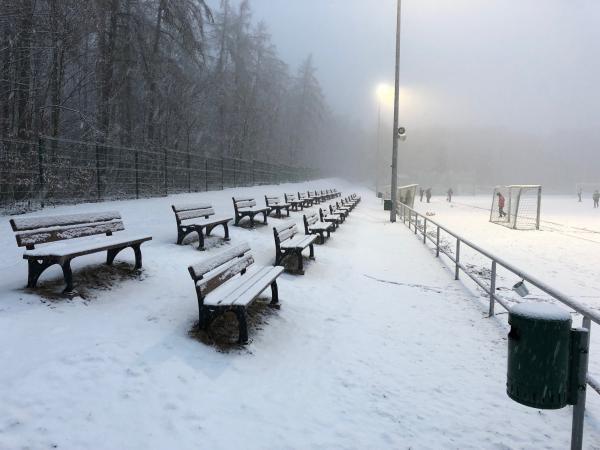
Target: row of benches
(200, 218)
(98, 228)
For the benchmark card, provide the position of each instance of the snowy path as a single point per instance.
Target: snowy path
(375, 347)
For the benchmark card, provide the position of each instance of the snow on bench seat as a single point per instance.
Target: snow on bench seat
(85, 245)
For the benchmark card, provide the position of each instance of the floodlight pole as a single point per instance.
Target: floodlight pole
(377, 164)
(396, 113)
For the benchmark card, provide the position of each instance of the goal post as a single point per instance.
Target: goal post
(517, 206)
(407, 194)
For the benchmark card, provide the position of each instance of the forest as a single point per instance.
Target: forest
(178, 74)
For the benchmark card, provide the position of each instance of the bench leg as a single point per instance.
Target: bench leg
(300, 263)
(312, 251)
(226, 229)
(251, 221)
(138, 255)
(201, 239)
(35, 269)
(68, 275)
(180, 236)
(321, 237)
(288, 211)
(265, 216)
(274, 293)
(243, 325)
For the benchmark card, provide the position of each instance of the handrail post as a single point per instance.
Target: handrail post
(416, 222)
(425, 231)
(457, 267)
(580, 358)
(437, 242)
(493, 288)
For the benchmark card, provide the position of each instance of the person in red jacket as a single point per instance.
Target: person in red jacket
(501, 203)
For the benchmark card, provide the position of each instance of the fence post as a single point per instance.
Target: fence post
(437, 243)
(41, 170)
(425, 231)
(189, 169)
(205, 173)
(457, 268)
(492, 289)
(137, 174)
(416, 222)
(222, 172)
(98, 181)
(166, 174)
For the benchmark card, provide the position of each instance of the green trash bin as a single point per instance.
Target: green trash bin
(539, 355)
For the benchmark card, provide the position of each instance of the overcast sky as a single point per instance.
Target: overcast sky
(515, 63)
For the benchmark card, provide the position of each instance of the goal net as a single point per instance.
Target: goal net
(407, 194)
(517, 207)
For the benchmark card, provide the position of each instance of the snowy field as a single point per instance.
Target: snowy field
(375, 347)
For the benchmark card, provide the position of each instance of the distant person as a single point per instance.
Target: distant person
(579, 194)
(421, 193)
(450, 194)
(596, 198)
(501, 203)
(428, 195)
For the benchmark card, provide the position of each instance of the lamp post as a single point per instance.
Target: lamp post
(396, 113)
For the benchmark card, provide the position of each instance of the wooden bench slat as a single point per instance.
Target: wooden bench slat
(32, 223)
(195, 213)
(246, 288)
(190, 206)
(224, 273)
(245, 203)
(49, 235)
(299, 242)
(97, 244)
(201, 269)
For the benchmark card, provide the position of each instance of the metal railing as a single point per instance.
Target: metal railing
(430, 231)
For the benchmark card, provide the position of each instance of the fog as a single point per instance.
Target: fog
(492, 92)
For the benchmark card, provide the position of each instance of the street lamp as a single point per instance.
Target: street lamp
(385, 95)
(396, 113)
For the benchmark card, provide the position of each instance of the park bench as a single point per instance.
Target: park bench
(314, 225)
(288, 241)
(344, 203)
(336, 193)
(277, 205)
(326, 216)
(246, 207)
(340, 206)
(196, 218)
(328, 193)
(230, 281)
(69, 236)
(315, 196)
(294, 202)
(308, 201)
(343, 213)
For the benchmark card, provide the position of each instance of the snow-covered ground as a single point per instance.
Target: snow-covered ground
(375, 347)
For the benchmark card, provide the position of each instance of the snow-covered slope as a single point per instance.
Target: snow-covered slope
(375, 347)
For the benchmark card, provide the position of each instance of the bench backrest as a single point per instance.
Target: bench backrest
(323, 213)
(212, 273)
(245, 202)
(30, 231)
(272, 200)
(290, 197)
(284, 232)
(192, 211)
(310, 220)
(302, 196)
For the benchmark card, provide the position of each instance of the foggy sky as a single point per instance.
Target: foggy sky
(526, 64)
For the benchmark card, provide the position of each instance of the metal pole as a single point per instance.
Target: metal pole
(137, 174)
(41, 170)
(492, 288)
(437, 243)
(396, 113)
(581, 348)
(425, 231)
(457, 268)
(539, 206)
(378, 148)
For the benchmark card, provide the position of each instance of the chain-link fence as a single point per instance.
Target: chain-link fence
(57, 171)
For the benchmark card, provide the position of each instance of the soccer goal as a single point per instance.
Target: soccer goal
(517, 207)
(407, 194)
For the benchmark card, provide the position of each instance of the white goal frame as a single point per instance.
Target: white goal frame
(406, 194)
(522, 207)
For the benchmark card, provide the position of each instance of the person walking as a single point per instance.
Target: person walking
(579, 194)
(421, 193)
(450, 194)
(501, 203)
(596, 198)
(428, 195)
